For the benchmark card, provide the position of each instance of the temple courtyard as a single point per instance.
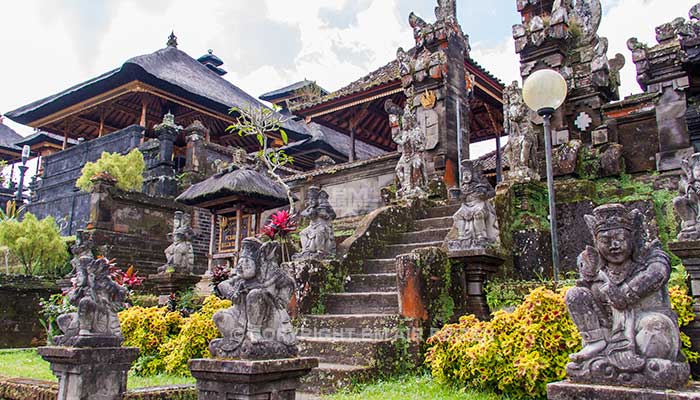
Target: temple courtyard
(453, 220)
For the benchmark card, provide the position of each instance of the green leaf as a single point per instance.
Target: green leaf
(261, 140)
(285, 138)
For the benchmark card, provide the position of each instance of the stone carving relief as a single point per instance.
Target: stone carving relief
(98, 299)
(180, 254)
(411, 174)
(521, 149)
(621, 307)
(475, 221)
(687, 205)
(258, 326)
(318, 239)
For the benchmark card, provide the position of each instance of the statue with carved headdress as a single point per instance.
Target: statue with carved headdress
(180, 254)
(521, 149)
(622, 309)
(687, 204)
(318, 239)
(475, 221)
(411, 174)
(258, 325)
(98, 299)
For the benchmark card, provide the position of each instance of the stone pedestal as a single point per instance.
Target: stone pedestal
(477, 264)
(171, 282)
(566, 390)
(689, 253)
(90, 373)
(219, 379)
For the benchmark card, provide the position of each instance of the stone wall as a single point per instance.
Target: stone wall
(19, 310)
(55, 193)
(354, 188)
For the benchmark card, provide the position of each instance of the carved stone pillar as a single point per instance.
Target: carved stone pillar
(478, 265)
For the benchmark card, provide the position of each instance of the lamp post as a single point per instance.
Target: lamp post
(544, 91)
(22, 170)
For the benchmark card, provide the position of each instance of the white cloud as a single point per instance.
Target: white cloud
(501, 60)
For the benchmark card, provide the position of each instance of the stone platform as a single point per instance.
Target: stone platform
(566, 390)
(219, 379)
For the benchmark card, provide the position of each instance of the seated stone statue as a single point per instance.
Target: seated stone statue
(318, 239)
(98, 299)
(475, 221)
(180, 254)
(687, 205)
(621, 307)
(258, 325)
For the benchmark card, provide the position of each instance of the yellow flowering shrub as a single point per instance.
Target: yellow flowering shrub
(518, 353)
(166, 339)
(683, 306)
(193, 341)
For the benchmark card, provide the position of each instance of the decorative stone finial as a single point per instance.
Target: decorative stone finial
(621, 307)
(257, 327)
(98, 299)
(168, 125)
(172, 40)
(318, 239)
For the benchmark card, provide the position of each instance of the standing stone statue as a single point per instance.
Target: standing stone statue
(180, 254)
(521, 149)
(257, 326)
(475, 221)
(687, 205)
(98, 299)
(411, 175)
(318, 239)
(621, 307)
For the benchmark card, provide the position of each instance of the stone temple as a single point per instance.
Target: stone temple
(384, 190)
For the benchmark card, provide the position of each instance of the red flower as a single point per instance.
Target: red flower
(281, 223)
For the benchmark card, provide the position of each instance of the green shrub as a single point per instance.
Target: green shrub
(166, 340)
(127, 170)
(518, 353)
(36, 244)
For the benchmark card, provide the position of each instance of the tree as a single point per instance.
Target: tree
(36, 244)
(261, 123)
(127, 170)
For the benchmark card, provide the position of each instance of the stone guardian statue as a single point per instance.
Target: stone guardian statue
(98, 299)
(687, 204)
(475, 221)
(318, 239)
(521, 149)
(258, 326)
(621, 307)
(180, 254)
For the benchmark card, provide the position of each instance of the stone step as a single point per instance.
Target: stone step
(394, 250)
(442, 211)
(330, 378)
(432, 223)
(349, 351)
(369, 326)
(379, 266)
(371, 283)
(428, 235)
(362, 303)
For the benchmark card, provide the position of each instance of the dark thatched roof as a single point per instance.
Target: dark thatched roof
(9, 138)
(322, 136)
(289, 90)
(248, 186)
(168, 69)
(42, 137)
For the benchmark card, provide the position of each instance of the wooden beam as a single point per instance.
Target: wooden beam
(144, 109)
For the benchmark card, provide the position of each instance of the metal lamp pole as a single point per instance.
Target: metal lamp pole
(546, 114)
(22, 170)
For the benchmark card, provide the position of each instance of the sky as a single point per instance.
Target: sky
(48, 46)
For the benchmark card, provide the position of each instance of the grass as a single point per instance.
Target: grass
(28, 364)
(411, 387)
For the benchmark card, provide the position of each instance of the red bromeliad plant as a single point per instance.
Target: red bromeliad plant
(281, 224)
(128, 279)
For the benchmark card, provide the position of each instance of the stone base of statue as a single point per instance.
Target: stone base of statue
(656, 373)
(248, 380)
(566, 390)
(90, 373)
(88, 340)
(478, 264)
(166, 283)
(310, 276)
(312, 255)
(521, 175)
(689, 253)
(263, 350)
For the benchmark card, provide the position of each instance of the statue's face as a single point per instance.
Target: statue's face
(247, 267)
(615, 245)
(696, 170)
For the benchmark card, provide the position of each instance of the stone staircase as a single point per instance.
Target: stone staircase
(355, 338)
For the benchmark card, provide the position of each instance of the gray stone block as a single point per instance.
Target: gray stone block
(565, 390)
